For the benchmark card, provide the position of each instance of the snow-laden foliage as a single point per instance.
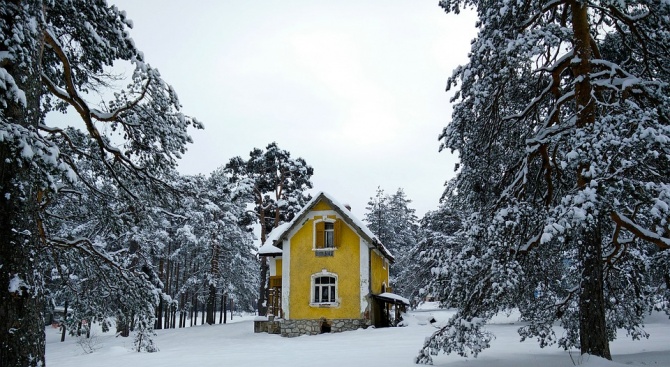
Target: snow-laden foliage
(207, 254)
(118, 149)
(275, 184)
(438, 244)
(394, 223)
(561, 123)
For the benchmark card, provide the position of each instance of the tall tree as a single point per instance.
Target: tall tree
(561, 124)
(275, 184)
(437, 241)
(391, 219)
(54, 55)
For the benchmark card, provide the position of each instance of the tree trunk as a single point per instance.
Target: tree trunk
(159, 310)
(211, 297)
(222, 309)
(592, 321)
(63, 325)
(182, 311)
(262, 306)
(194, 319)
(122, 325)
(168, 283)
(263, 286)
(592, 324)
(22, 340)
(211, 305)
(225, 302)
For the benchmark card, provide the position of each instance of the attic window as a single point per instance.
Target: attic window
(326, 236)
(329, 235)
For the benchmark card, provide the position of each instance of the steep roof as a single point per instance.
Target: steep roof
(279, 234)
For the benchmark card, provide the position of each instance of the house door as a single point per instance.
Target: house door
(274, 297)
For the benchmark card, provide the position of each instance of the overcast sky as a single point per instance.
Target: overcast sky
(355, 87)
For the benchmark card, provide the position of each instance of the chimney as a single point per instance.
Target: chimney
(348, 207)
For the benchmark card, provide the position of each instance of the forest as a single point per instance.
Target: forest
(561, 119)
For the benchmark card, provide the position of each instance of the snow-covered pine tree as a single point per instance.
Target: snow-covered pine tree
(113, 275)
(54, 55)
(562, 126)
(209, 252)
(377, 217)
(391, 219)
(275, 184)
(437, 241)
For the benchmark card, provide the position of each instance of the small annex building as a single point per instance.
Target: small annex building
(328, 273)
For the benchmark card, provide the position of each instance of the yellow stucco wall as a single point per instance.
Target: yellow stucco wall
(278, 266)
(304, 263)
(321, 205)
(378, 273)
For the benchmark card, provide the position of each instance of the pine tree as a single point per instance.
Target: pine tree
(275, 184)
(54, 55)
(394, 223)
(561, 124)
(437, 241)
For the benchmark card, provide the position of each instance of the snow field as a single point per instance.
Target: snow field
(235, 344)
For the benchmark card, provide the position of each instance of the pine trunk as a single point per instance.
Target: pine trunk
(63, 324)
(222, 309)
(225, 315)
(262, 291)
(592, 322)
(211, 297)
(592, 325)
(159, 310)
(22, 339)
(211, 305)
(194, 319)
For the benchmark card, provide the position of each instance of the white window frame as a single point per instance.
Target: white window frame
(325, 249)
(326, 237)
(324, 273)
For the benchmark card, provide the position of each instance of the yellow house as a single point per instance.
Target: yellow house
(328, 272)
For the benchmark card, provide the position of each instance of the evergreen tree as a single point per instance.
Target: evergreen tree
(436, 244)
(275, 184)
(394, 223)
(561, 124)
(377, 217)
(54, 55)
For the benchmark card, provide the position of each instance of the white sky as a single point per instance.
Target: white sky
(355, 87)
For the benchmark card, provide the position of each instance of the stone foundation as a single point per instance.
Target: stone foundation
(266, 326)
(292, 328)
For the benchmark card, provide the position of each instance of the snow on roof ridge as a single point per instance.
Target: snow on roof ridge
(269, 248)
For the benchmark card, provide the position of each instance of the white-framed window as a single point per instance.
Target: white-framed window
(324, 289)
(326, 236)
(329, 235)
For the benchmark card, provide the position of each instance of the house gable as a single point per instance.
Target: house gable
(308, 262)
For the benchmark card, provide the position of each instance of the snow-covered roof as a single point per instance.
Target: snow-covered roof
(393, 297)
(269, 248)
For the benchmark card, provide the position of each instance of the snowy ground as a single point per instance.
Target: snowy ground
(235, 344)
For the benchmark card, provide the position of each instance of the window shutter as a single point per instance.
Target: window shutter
(320, 234)
(337, 228)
